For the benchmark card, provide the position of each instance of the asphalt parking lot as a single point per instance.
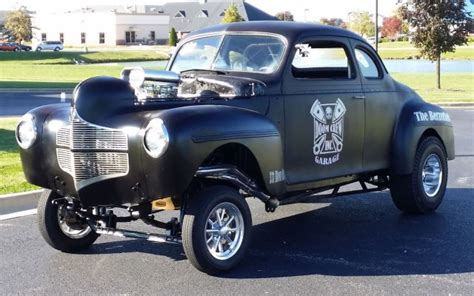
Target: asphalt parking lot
(355, 245)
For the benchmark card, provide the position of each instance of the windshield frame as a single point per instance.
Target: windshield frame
(224, 34)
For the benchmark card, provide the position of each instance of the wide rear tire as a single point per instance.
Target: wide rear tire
(59, 234)
(216, 229)
(423, 190)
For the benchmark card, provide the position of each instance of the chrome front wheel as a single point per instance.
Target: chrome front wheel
(70, 225)
(216, 229)
(61, 228)
(224, 231)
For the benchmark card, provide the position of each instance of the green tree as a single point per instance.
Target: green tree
(18, 23)
(335, 22)
(285, 16)
(439, 26)
(232, 15)
(173, 38)
(405, 28)
(362, 23)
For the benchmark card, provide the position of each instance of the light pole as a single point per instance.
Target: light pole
(377, 25)
(305, 11)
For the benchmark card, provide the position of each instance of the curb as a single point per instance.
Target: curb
(10, 203)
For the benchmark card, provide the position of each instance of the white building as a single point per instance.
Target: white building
(102, 26)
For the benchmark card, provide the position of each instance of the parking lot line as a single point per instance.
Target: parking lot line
(18, 214)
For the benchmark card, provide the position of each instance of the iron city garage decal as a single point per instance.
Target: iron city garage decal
(328, 131)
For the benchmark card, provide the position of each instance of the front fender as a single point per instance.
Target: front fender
(416, 119)
(196, 131)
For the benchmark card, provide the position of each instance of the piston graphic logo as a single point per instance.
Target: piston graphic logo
(328, 131)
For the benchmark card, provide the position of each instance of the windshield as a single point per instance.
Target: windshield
(244, 53)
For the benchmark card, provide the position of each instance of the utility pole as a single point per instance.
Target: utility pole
(377, 25)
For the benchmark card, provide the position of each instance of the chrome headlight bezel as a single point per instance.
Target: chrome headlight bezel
(156, 147)
(29, 124)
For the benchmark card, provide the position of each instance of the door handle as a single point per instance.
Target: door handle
(361, 97)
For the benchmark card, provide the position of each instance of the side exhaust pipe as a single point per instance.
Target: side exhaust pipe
(161, 238)
(234, 176)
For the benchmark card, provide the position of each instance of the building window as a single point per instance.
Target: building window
(204, 13)
(180, 14)
(102, 38)
(83, 38)
(61, 37)
(152, 35)
(43, 36)
(130, 37)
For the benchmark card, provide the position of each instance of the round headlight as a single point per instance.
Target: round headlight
(156, 138)
(26, 132)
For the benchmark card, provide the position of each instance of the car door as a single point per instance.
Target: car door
(382, 107)
(324, 111)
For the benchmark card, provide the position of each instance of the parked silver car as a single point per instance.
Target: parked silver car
(49, 45)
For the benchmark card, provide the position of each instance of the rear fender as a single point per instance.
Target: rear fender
(418, 119)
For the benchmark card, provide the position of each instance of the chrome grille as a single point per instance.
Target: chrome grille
(82, 135)
(94, 164)
(65, 160)
(89, 163)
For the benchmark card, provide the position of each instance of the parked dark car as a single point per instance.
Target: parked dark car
(22, 47)
(9, 47)
(279, 111)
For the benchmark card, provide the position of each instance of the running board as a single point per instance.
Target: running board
(161, 238)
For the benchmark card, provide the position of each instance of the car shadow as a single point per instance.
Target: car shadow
(175, 252)
(360, 235)
(365, 235)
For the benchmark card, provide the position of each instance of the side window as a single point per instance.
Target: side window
(322, 60)
(367, 65)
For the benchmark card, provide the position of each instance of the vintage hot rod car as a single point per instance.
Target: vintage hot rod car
(279, 111)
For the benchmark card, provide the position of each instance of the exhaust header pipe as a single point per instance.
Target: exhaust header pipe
(234, 176)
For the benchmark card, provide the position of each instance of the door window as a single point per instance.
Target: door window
(367, 65)
(322, 60)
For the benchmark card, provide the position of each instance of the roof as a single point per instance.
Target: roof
(191, 16)
(291, 30)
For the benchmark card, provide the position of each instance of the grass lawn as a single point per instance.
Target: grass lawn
(63, 76)
(12, 179)
(406, 50)
(461, 53)
(68, 57)
(58, 70)
(455, 87)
